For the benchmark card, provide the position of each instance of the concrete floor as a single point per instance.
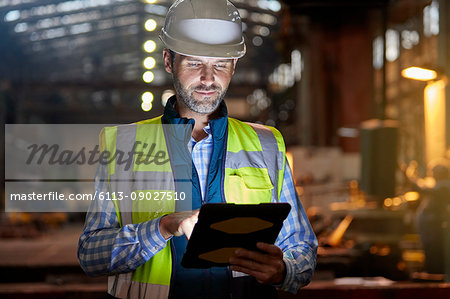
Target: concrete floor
(47, 267)
(57, 247)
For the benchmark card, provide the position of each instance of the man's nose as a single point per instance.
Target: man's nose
(207, 75)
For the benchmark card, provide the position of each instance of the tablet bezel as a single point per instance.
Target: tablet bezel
(205, 239)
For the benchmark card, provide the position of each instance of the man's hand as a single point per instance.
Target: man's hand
(178, 224)
(267, 266)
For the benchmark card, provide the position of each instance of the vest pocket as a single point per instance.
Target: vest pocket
(248, 186)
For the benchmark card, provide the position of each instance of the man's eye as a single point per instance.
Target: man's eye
(221, 65)
(193, 64)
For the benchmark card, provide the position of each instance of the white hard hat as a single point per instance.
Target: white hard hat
(206, 28)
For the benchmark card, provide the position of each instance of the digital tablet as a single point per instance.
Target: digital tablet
(222, 228)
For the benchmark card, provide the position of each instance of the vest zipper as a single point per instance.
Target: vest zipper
(224, 157)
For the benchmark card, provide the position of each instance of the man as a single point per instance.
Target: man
(232, 162)
(432, 216)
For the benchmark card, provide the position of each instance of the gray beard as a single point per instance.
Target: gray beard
(187, 97)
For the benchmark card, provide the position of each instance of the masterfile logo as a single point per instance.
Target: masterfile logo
(53, 154)
(52, 168)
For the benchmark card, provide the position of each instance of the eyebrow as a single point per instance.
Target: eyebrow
(192, 59)
(199, 60)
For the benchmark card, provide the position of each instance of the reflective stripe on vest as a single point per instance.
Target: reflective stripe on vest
(254, 164)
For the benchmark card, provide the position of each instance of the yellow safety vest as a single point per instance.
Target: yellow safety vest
(253, 173)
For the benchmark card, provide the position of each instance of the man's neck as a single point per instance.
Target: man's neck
(201, 120)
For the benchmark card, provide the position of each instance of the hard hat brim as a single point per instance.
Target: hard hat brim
(198, 49)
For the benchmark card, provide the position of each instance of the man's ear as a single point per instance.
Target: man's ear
(167, 61)
(234, 64)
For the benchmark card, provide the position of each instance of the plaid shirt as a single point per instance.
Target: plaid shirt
(106, 248)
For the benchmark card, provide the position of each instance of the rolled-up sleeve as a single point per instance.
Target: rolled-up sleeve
(296, 239)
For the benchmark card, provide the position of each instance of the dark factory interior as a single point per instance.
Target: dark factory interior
(358, 89)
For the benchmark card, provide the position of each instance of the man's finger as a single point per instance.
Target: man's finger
(270, 249)
(247, 263)
(187, 226)
(253, 255)
(260, 277)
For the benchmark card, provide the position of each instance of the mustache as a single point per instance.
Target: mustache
(207, 88)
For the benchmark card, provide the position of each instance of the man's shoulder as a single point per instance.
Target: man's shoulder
(155, 120)
(255, 126)
(113, 130)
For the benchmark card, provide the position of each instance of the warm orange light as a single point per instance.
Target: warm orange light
(290, 159)
(418, 73)
(336, 236)
(396, 201)
(413, 255)
(435, 135)
(411, 196)
(388, 202)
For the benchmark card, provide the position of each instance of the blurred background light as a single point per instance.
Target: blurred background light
(150, 25)
(431, 19)
(150, 46)
(257, 41)
(392, 45)
(148, 77)
(146, 106)
(156, 9)
(147, 97)
(149, 62)
(418, 73)
(272, 5)
(410, 38)
(377, 54)
(412, 196)
(12, 15)
(435, 120)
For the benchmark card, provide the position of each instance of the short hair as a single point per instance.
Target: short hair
(172, 57)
